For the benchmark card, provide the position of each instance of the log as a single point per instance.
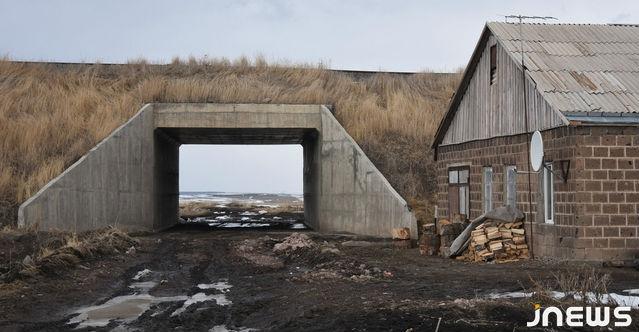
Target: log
(401, 233)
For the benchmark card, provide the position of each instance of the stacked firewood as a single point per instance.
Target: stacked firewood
(497, 241)
(429, 241)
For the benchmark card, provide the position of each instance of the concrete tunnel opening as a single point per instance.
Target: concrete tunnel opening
(130, 180)
(210, 208)
(241, 187)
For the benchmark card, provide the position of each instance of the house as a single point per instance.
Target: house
(581, 92)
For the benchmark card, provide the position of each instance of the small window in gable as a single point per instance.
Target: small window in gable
(493, 64)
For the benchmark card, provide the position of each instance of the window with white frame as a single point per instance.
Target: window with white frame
(549, 194)
(488, 188)
(510, 185)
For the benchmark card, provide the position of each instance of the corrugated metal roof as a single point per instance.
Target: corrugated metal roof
(579, 67)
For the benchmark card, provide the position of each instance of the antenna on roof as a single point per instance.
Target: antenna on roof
(524, 17)
(521, 19)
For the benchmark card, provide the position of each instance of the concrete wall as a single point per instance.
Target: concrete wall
(113, 184)
(354, 196)
(131, 180)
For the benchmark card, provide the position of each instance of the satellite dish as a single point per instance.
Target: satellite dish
(536, 151)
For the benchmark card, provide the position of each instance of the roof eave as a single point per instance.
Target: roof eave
(461, 88)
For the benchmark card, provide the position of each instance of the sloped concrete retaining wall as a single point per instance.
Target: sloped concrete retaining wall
(111, 185)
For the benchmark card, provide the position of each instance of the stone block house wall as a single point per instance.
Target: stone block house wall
(595, 209)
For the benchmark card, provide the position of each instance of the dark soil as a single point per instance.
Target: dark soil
(325, 287)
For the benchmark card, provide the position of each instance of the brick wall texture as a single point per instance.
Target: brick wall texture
(596, 208)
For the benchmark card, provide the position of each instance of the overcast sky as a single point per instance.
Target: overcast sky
(361, 34)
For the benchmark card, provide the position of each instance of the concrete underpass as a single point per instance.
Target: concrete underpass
(131, 180)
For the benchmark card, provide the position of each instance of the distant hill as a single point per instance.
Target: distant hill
(53, 113)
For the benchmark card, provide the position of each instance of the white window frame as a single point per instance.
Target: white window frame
(507, 170)
(487, 189)
(549, 192)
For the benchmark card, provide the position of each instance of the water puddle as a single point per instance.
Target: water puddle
(223, 328)
(123, 309)
(127, 308)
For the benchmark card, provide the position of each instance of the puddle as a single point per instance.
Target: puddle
(223, 328)
(127, 308)
(619, 299)
(123, 309)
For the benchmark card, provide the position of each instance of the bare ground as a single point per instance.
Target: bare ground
(328, 286)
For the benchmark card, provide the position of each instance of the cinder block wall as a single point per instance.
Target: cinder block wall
(595, 210)
(607, 186)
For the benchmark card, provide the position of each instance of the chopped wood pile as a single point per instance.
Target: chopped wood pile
(497, 241)
(429, 240)
(448, 232)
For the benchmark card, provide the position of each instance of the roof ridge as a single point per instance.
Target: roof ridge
(632, 25)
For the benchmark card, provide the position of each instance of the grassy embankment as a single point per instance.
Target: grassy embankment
(51, 115)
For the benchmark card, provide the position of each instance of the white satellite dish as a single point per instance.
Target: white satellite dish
(536, 151)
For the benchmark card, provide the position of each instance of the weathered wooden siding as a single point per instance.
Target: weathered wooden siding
(487, 111)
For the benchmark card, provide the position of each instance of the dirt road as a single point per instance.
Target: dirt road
(196, 278)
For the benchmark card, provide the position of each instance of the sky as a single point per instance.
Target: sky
(242, 168)
(391, 35)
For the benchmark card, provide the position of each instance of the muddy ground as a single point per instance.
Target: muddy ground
(338, 283)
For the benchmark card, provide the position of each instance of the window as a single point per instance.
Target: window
(493, 64)
(458, 191)
(488, 188)
(510, 185)
(549, 194)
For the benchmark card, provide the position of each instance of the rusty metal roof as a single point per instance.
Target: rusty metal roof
(585, 68)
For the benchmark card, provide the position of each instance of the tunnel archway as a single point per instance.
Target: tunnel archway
(130, 179)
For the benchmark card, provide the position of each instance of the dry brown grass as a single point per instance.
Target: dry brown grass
(580, 286)
(53, 252)
(51, 115)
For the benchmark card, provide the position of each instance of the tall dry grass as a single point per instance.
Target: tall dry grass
(50, 115)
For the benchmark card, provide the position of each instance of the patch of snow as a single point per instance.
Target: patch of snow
(248, 213)
(631, 291)
(222, 218)
(272, 206)
(144, 286)
(221, 286)
(142, 274)
(262, 212)
(621, 300)
(298, 226)
(220, 299)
